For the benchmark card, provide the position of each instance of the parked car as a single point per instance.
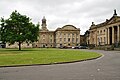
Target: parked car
(65, 47)
(82, 47)
(75, 47)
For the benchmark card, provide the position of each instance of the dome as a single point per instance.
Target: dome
(69, 27)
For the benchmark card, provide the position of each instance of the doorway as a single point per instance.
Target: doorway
(43, 46)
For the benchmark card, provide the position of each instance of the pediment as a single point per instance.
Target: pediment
(114, 19)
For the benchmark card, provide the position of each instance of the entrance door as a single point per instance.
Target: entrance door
(60, 45)
(43, 46)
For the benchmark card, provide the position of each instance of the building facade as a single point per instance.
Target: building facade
(68, 35)
(15, 45)
(106, 33)
(83, 40)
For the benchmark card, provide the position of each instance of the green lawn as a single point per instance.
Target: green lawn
(42, 56)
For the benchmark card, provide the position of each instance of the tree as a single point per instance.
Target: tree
(18, 28)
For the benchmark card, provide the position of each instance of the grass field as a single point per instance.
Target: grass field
(10, 57)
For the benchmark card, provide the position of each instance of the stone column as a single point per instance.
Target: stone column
(113, 35)
(108, 34)
(118, 33)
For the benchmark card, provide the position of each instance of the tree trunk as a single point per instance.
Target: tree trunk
(19, 45)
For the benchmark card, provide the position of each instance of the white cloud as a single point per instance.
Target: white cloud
(79, 13)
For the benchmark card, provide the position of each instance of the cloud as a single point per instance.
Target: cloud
(79, 13)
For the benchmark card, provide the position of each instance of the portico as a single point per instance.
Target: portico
(113, 34)
(106, 33)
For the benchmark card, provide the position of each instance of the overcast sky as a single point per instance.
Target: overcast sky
(80, 13)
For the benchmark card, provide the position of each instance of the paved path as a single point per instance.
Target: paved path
(105, 68)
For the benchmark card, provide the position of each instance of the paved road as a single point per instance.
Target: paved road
(104, 68)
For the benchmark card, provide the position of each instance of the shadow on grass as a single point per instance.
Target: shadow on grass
(27, 49)
(15, 49)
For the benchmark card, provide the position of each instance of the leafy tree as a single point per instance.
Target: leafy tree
(18, 28)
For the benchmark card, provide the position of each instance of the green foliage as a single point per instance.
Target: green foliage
(42, 56)
(18, 28)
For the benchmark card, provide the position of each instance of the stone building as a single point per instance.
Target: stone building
(106, 33)
(82, 40)
(15, 45)
(68, 35)
(46, 37)
(86, 36)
